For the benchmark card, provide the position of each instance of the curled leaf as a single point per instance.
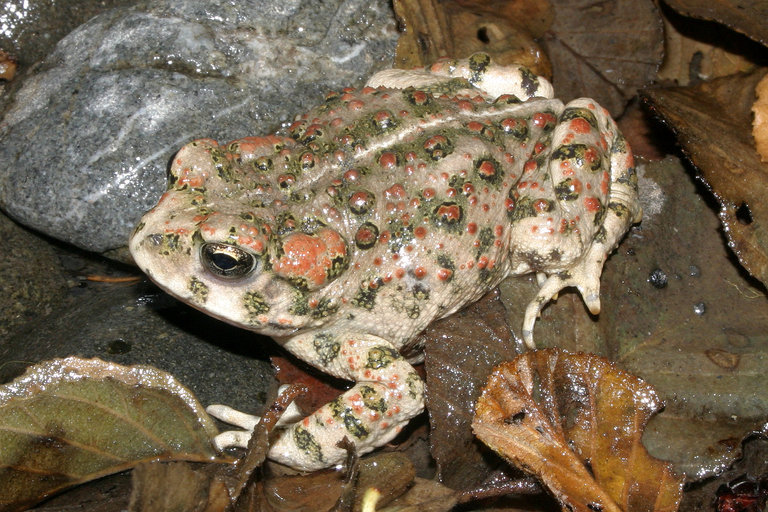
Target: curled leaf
(392, 474)
(424, 496)
(712, 122)
(177, 486)
(258, 445)
(697, 50)
(576, 421)
(745, 16)
(67, 421)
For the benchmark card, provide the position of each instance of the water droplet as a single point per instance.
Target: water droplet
(658, 279)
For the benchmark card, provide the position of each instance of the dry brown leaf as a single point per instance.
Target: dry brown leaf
(321, 387)
(696, 50)
(604, 50)
(712, 122)
(391, 473)
(760, 121)
(534, 16)
(8, 64)
(258, 444)
(683, 337)
(210, 487)
(576, 421)
(317, 492)
(424, 33)
(745, 16)
(67, 421)
(457, 29)
(642, 135)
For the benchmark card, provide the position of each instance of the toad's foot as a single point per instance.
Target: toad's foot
(247, 422)
(585, 276)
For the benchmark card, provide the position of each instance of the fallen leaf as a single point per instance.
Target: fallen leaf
(534, 16)
(696, 50)
(647, 142)
(672, 295)
(258, 444)
(159, 487)
(667, 334)
(679, 312)
(67, 421)
(424, 496)
(604, 50)
(318, 491)
(391, 473)
(745, 16)
(8, 65)
(109, 494)
(505, 30)
(712, 123)
(501, 484)
(321, 387)
(424, 33)
(760, 121)
(576, 422)
(460, 352)
(351, 473)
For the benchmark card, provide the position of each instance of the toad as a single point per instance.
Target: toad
(381, 210)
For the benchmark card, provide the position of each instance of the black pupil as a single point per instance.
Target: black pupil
(223, 261)
(227, 261)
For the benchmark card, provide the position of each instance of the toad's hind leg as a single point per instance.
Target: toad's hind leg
(585, 276)
(387, 394)
(619, 207)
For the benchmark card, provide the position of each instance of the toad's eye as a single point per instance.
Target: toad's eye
(226, 260)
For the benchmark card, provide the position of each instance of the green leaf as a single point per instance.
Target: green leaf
(67, 421)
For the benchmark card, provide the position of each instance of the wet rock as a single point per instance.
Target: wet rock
(135, 323)
(29, 29)
(86, 141)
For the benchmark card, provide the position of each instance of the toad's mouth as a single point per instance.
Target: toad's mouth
(270, 328)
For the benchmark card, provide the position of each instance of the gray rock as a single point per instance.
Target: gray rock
(29, 29)
(86, 143)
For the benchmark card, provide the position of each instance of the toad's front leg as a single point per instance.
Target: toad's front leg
(387, 394)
